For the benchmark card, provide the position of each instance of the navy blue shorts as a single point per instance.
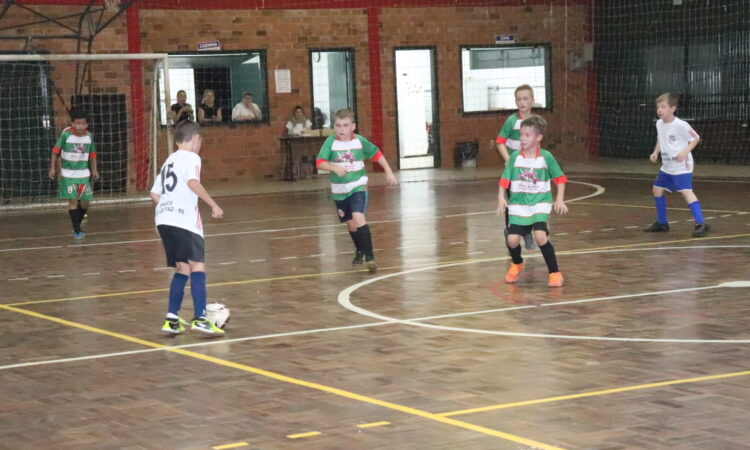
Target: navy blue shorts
(357, 202)
(527, 229)
(674, 183)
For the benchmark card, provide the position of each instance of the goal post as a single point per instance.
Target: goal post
(119, 94)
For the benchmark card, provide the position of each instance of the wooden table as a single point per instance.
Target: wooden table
(292, 147)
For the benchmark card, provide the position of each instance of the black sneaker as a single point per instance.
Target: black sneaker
(701, 229)
(359, 258)
(657, 227)
(371, 266)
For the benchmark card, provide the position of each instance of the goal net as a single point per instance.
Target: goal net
(117, 94)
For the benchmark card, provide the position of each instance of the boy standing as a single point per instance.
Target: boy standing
(343, 155)
(176, 191)
(528, 175)
(76, 152)
(675, 141)
(509, 138)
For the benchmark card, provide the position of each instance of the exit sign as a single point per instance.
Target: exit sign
(504, 39)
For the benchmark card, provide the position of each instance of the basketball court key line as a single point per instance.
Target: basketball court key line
(291, 380)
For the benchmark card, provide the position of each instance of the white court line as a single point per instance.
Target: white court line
(29, 248)
(197, 344)
(288, 257)
(55, 276)
(599, 190)
(344, 299)
(18, 279)
(608, 229)
(726, 215)
(474, 253)
(227, 263)
(257, 260)
(126, 271)
(91, 273)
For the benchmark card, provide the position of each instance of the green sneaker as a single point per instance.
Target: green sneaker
(204, 326)
(174, 326)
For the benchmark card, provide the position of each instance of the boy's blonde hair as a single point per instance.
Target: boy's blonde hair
(344, 113)
(185, 130)
(668, 97)
(536, 122)
(524, 87)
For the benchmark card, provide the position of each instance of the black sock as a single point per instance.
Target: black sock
(515, 254)
(366, 240)
(82, 211)
(548, 252)
(355, 239)
(75, 219)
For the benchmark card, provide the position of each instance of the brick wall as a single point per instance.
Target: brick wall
(252, 151)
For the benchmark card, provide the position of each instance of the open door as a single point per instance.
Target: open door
(417, 108)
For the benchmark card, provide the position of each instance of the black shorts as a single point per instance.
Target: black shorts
(180, 245)
(527, 229)
(357, 202)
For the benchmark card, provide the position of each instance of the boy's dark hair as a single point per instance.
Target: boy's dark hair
(344, 113)
(77, 112)
(247, 93)
(185, 130)
(536, 122)
(668, 97)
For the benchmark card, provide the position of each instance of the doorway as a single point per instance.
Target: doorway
(418, 127)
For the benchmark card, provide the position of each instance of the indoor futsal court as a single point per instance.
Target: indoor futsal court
(415, 327)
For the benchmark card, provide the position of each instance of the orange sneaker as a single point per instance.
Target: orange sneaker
(511, 276)
(555, 279)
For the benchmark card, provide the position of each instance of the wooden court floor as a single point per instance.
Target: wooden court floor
(646, 346)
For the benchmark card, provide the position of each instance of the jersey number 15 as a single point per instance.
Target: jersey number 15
(167, 173)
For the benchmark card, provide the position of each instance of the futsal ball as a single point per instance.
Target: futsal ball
(217, 314)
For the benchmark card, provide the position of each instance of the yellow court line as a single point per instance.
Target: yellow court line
(652, 207)
(324, 274)
(287, 379)
(304, 435)
(233, 445)
(373, 424)
(595, 393)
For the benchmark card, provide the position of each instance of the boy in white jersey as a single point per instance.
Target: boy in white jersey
(343, 155)
(675, 141)
(509, 137)
(176, 191)
(76, 154)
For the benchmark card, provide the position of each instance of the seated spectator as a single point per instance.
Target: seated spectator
(208, 111)
(181, 110)
(298, 124)
(246, 109)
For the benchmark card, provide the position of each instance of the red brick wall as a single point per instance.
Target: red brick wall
(252, 151)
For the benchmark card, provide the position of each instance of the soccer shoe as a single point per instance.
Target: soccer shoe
(511, 276)
(79, 235)
(204, 326)
(173, 326)
(555, 279)
(371, 266)
(657, 227)
(528, 242)
(701, 229)
(359, 258)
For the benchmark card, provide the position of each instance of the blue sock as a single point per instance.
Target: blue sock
(695, 208)
(176, 292)
(661, 209)
(198, 289)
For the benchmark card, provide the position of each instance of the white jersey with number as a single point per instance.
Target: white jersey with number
(178, 205)
(673, 138)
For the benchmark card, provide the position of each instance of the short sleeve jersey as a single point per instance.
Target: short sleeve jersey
(178, 205)
(351, 156)
(510, 133)
(529, 181)
(673, 137)
(75, 151)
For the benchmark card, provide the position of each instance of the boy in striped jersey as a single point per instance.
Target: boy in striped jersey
(76, 152)
(509, 138)
(343, 155)
(528, 175)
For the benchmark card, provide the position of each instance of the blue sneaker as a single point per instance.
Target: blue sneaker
(79, 235)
